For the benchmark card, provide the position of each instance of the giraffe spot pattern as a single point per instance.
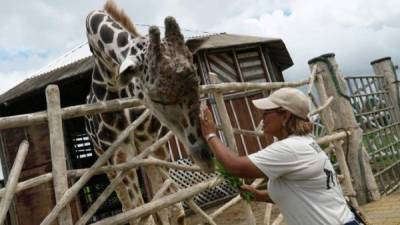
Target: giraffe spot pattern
(121, 157)
(95, 22)
(111, 53)
(106, 34)
(108, 118)
(140, 95)
(154, 125)
(191, 120)
(131, 195)
(123, 94)
(107, 135)
(122, 39)
(134, 114)
(104, 145)
(99, 90)
(101, 45)
(121, 122)
(164, 131)
(124, 52)
(133, 51)
(126, 181)
(116, 25)
(111, 95)
(192, 138)
(96, 75)
(184, 123)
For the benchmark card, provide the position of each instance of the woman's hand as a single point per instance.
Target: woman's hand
(248, 188)
(259, 195)
(207, 122)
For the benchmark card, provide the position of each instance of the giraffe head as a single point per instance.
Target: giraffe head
(168, 85)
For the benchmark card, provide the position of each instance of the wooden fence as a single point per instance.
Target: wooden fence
(343, 129)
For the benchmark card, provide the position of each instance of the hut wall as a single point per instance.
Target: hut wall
(32, 205)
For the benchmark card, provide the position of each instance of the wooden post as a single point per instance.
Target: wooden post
(223, 113)
(385, 67)
(230, 137)
(13, 180)
(342, 117)
(57, 149)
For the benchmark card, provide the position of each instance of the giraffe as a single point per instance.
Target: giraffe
(161, 74)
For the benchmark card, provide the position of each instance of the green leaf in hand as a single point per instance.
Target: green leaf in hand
(232, 181)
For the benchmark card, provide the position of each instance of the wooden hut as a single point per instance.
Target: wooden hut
(233, 57)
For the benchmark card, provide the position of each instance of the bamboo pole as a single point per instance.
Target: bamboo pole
(319, 109)
(223, 113)
(343, 117)
(57, 150)
(68, 112)
(233, 201)
(278, 220)
(230, 138)
(240, 86)
(160, 203)
(332, 137)
(73, 191)
(200, 212)
(312, 79)
(267, 215)
(13, 180)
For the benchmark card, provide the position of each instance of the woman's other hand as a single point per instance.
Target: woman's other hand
(259, 195)
(207, 122)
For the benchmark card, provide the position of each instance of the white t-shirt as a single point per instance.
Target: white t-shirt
(302, 182)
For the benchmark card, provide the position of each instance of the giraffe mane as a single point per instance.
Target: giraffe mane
(120, 16)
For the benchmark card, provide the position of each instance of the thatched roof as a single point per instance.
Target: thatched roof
(276, 47)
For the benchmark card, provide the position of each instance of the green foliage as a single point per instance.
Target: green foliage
(232, 181)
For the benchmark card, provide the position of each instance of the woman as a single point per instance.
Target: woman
(302, 181)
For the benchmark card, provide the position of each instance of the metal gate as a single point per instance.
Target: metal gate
(376, 115)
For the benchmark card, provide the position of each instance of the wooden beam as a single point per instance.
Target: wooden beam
(68, 112)
(239, 86)
(13, 180)
(57, 150)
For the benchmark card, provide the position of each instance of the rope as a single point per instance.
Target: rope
(333, 76)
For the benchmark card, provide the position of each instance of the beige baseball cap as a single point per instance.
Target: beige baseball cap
(290, 99)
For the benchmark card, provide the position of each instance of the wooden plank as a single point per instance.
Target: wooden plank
(13, 180)
(57, 149)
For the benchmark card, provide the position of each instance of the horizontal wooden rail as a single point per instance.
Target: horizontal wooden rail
(239, 86)
(68, 112)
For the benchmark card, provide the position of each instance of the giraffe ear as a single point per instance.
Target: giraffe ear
(127, 70)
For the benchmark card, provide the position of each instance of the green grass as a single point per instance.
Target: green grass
(232, 181)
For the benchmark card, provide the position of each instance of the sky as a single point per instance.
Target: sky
(35, 33)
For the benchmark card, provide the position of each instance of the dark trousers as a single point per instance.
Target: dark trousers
(354, 222)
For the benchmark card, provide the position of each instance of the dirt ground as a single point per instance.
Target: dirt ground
(235, 215)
